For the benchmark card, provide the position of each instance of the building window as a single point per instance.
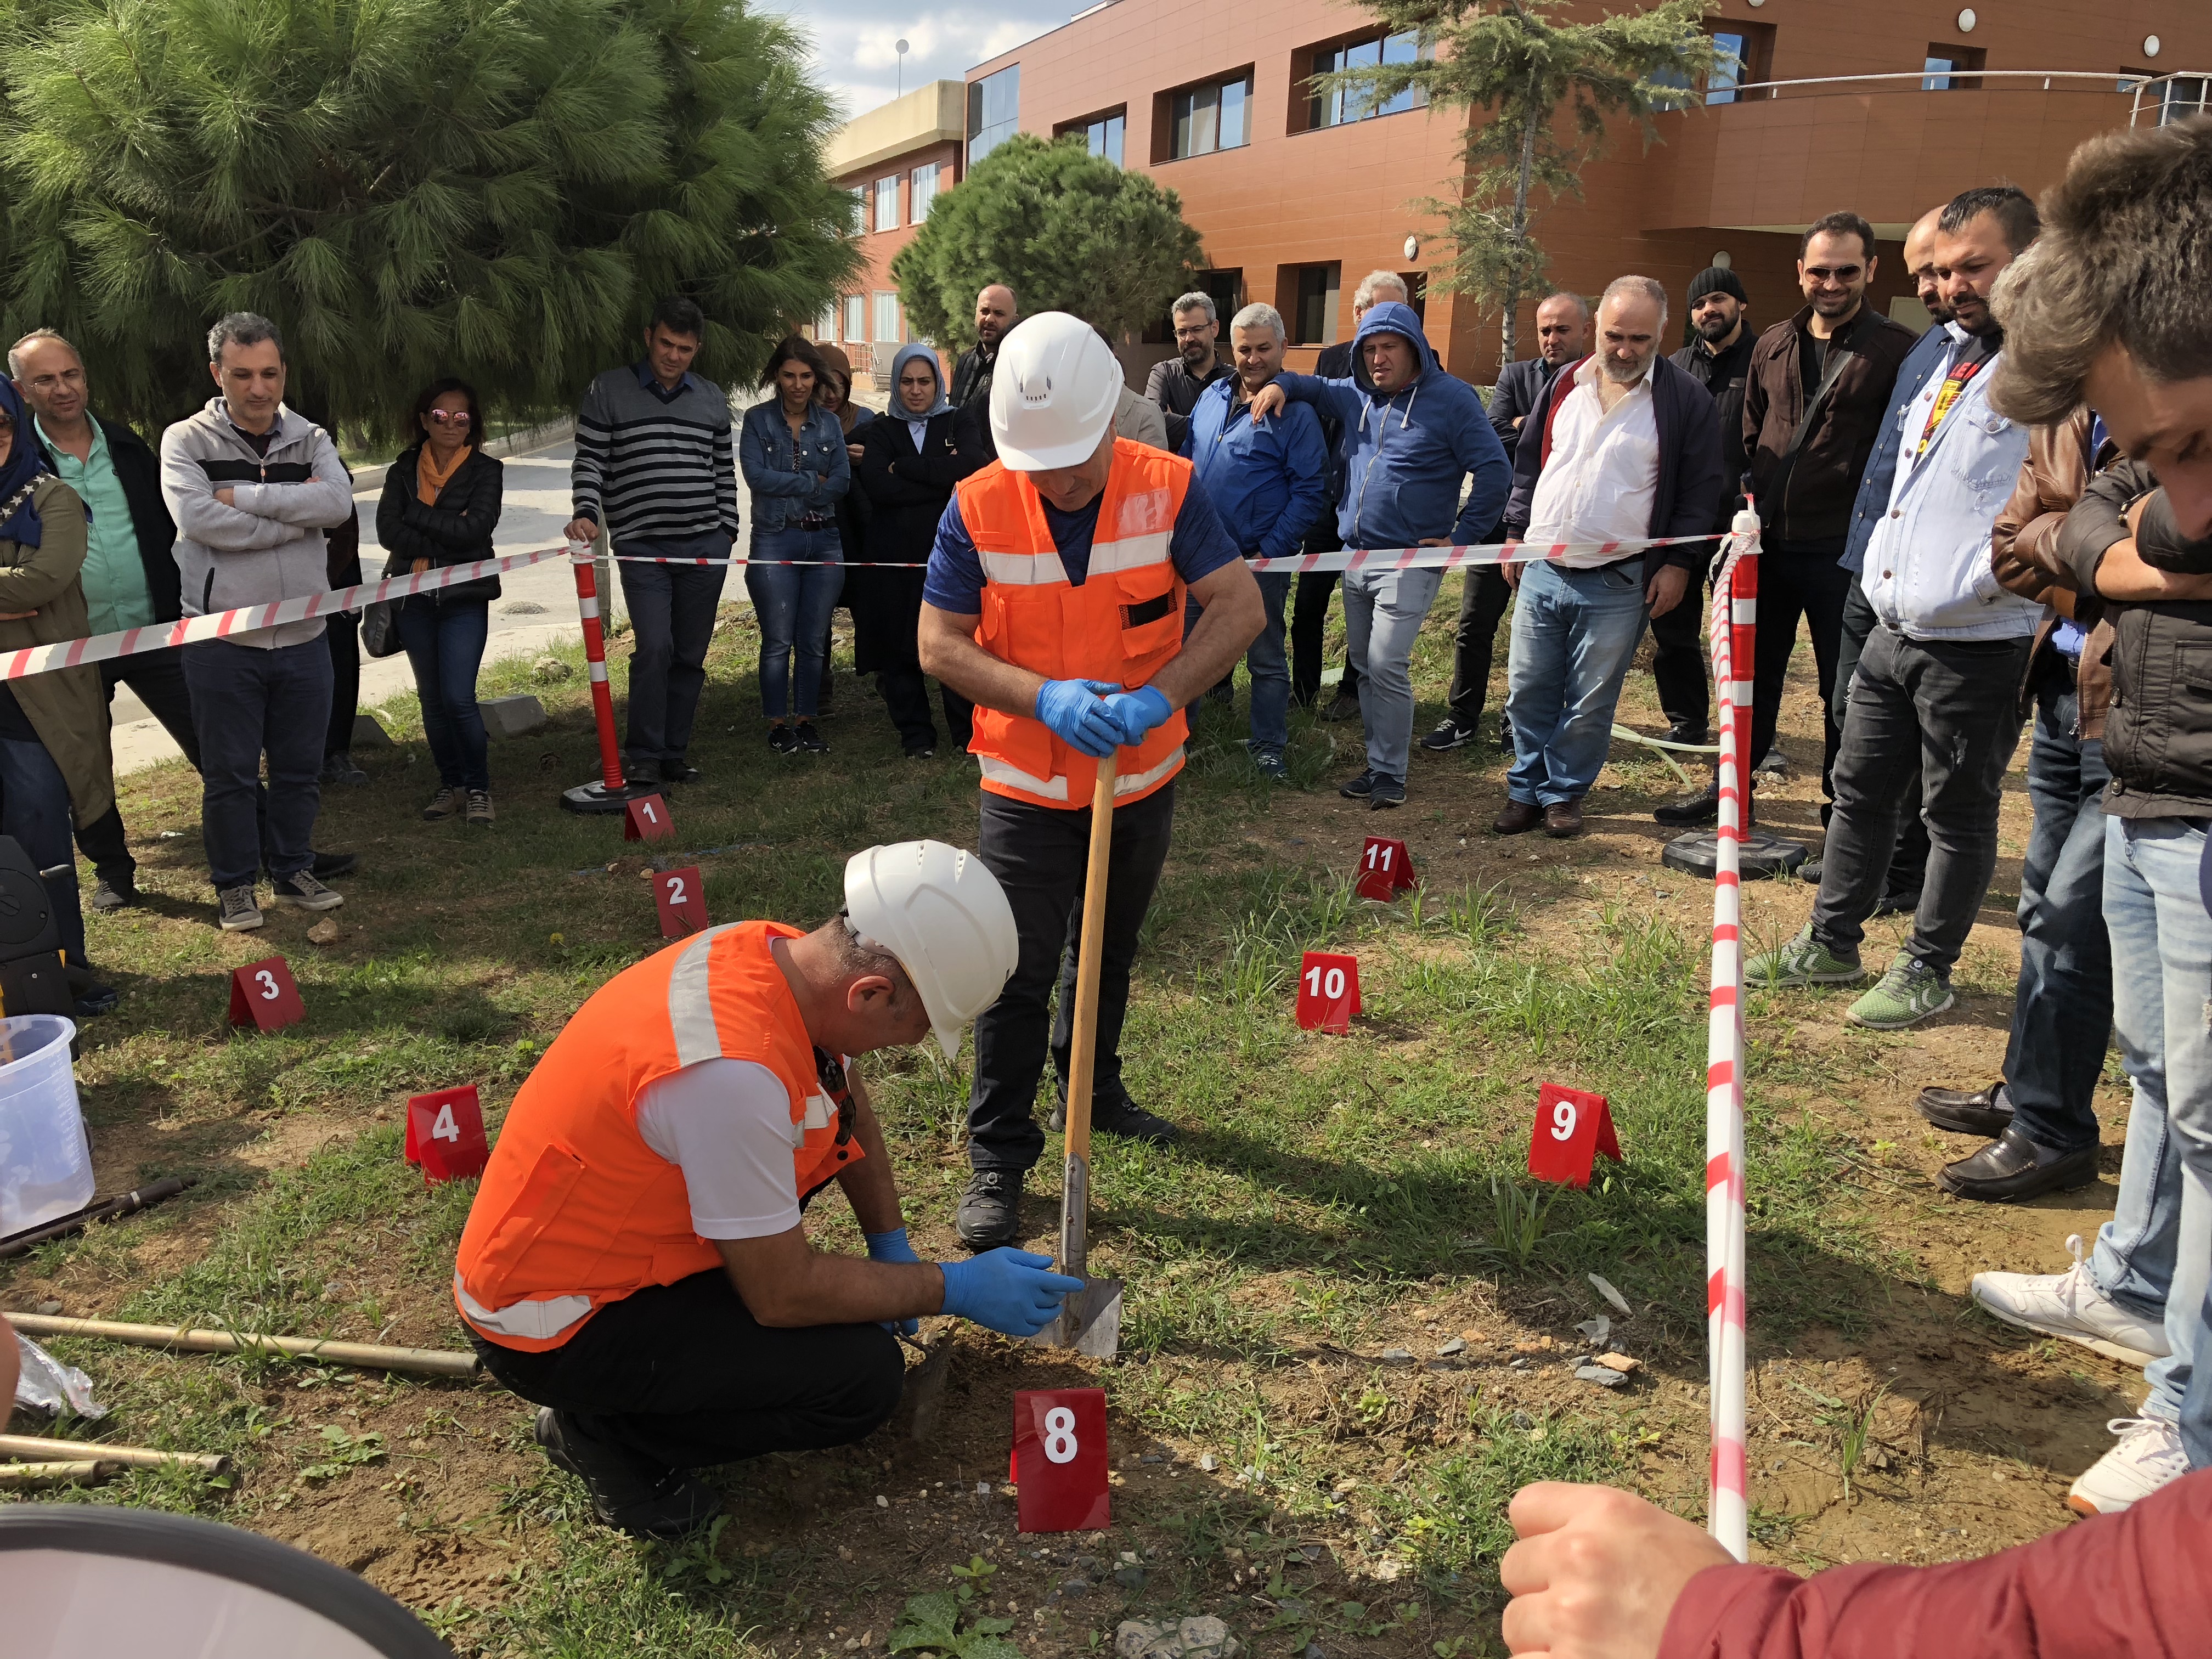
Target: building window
(923, 180)
(856, 317)
(887, 318)
(887, 202)
(825, 325)
(1101, 133)
(1313, 318)
(2182, 96)
(994, 106)
(1212, 117)
(860, 195)
(1745, 51)
(1729, 73)
(1334, 108)
(1944, 72)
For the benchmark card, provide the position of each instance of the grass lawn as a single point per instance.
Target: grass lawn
(1351, 1323)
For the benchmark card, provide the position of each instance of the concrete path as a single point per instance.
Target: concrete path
(536, 609)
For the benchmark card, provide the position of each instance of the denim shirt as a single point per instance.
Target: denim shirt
(1932, 350)
(1928, 572)
(784, 488)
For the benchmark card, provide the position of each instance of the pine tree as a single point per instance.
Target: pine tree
(1068, 230)
(496, 189)
(1549, 88)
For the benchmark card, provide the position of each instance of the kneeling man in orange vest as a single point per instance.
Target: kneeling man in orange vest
(634, 1262)
(1055, 602)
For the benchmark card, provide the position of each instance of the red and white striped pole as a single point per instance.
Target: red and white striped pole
(611, 792)
(1735, 618)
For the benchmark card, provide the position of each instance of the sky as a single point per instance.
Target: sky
(853, 41)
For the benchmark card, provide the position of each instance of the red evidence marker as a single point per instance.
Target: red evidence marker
(1329, 992)
(1060, 1460)
(1573, 1127)
(264, 995)
(1386, 870)
(683, 905)
(647, 819)
(446, 1133)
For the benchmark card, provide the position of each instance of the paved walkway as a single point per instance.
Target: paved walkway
(537, 607)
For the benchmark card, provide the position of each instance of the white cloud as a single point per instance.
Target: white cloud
(854, 42)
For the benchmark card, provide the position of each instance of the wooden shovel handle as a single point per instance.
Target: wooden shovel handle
(1083, 1046)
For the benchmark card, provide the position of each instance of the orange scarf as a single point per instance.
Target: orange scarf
(428, 481)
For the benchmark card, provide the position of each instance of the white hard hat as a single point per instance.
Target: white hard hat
(946, 918)
(1053, 393)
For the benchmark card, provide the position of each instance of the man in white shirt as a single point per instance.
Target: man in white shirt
(1630, 450)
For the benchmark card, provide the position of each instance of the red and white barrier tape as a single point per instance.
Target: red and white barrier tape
(1735, 617)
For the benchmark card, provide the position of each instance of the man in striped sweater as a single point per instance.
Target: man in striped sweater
(656, 466)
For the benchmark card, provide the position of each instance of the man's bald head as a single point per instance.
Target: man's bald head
(1920, 260)
(996, 310)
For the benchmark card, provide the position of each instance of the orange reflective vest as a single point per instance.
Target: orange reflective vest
(575, 1210)
(1121, 625)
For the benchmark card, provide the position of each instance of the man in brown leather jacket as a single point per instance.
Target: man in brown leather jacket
(2041, 1110)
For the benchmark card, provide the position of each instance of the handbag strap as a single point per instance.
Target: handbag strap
(1839, 357)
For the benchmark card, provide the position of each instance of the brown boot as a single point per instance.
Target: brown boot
(1562, 818)
(1518, 818)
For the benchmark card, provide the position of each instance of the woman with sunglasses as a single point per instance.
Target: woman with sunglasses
(441, 501)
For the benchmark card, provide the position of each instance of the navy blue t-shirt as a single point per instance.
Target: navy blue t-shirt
(1198, 546)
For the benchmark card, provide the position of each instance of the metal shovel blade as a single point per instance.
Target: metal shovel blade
(1090, 1319)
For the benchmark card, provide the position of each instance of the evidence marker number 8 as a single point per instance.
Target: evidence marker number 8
(1059, 1445)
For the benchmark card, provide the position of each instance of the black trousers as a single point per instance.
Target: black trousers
(1309, 621)
(682, 1376)
(158, 678)
(1039, 855)
(1483, 599)
(1680, 668)
(1908, 862)
(671, 619)
(906, 694)
(1791, 585)
(344, 636)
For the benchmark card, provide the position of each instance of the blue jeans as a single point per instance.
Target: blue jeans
(445, 643)
(34, 808)
(2154, 1255)
(1574, 636)
(1384, 610)
(793, 603)
(1269, 666)
(246, 703)
(672, 619)
(2061, 1011)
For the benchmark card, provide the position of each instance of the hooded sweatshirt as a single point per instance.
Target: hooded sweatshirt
(1405, 454)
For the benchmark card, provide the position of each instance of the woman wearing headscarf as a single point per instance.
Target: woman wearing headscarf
(909, 465)
(834, 392)
(54, 757)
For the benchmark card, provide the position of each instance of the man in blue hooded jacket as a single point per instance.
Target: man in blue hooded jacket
(1409, 438)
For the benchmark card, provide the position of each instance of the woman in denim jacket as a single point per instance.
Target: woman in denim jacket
(792, 452)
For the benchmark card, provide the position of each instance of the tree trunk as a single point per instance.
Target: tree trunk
(1508, 337)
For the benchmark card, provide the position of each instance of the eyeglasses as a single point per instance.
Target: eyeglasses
(1198, 331)
(453, 417)
(1834, 273)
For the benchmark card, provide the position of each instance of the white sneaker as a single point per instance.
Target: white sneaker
(2148, 1455)
(2070, 1305)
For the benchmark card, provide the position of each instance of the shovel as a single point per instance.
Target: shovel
(1090, 1319)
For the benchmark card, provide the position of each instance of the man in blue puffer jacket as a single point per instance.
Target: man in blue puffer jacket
(1409, 438)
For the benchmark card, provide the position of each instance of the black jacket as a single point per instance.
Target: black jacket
(1519, 385)
(139, 471)
(1809, 508)
(457, 530)
(2158, 728)
(907, 490)
(1690, 481)
(971, 378)
(1176, 389)
(1724, 374)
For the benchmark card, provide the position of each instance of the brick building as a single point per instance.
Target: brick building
(1889, 107)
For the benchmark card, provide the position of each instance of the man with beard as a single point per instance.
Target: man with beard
(1622, 448)
(1176, 382)
(996, 311)
(1719, 359)
(1936, 690)
(1817, 386)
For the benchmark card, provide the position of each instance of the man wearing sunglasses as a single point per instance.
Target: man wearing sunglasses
(1818, 387)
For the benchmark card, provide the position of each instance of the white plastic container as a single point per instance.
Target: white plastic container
(46, 1163)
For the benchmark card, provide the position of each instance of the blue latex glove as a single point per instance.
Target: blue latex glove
(1136, 712)
(1078, 718)
(892, 1247)
(1011, 1292)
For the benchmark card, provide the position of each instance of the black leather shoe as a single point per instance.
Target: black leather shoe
(1809, 872)
(626, 1491)
(1963, 1114)
(1694, 736)
(990, 1213)
(1898, 903)
(2012, 1166)
(328, 866)
(677, 771)
(1704, 807)
(1122, 1117)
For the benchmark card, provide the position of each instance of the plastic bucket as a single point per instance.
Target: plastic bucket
(46, 1163)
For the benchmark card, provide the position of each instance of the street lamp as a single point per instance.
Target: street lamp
(900, 48)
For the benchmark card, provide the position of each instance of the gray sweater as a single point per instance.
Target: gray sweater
(652, 467)
(268, 545)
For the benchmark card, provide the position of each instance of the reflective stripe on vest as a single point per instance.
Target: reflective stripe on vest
(1125, 783)
(541, 1320)
(691, 999)
(1039, 569)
